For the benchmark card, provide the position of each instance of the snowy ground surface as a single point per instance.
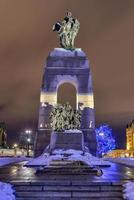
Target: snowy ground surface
(73, 131)
(9, 160)
(126, 161)
(71, 155)
(129, 191)
(6, 191)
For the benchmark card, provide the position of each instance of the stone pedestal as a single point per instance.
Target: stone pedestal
(65, 66)
(67, 141)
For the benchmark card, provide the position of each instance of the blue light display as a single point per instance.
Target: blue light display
(105, 140)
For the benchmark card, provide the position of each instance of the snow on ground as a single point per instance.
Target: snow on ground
(129, 191)
(73, 131)
(6, 191)
(126, 161)
(9, 160)
(73, 155)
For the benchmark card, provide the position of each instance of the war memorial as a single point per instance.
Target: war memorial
(68, 65)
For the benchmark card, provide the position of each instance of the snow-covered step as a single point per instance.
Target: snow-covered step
(69, 170)
(67, 167)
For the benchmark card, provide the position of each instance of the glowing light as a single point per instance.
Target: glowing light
(105, 140)
(41, 125)
(28, 140)
(28, 131)
(101, 134)
(15, 145)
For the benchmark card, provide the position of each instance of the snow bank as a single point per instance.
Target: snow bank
(71, 155)
(61, 52)
(9, 160)
(125, 161)
(44, 160)
(129, 191)
(6, 191)
(73, 131)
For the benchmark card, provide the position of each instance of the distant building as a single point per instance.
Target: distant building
(130, 136)
(129, 151)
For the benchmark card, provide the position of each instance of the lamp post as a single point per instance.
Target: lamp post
(15, 148)
(28, 139)
(28, 142)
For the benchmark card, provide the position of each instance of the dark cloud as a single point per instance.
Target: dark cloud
(26, 38)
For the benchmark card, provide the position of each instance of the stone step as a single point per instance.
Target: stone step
(64, 182)
(69, 170)
(66, 190)
(67, 198)
(68, 167)
(80, 194)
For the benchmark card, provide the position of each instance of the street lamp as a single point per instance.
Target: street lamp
(15, 148)
(28, 139)
(28, 131)
(15, 145)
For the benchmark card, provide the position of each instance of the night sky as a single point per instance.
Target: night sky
(106, 35)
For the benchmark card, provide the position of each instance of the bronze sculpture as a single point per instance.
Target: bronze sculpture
(67, 31)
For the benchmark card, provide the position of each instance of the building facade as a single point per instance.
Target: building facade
(129, 151)
(130, 136)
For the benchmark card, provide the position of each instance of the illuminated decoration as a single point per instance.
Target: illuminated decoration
(105, 140)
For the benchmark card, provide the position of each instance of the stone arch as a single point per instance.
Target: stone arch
(70, 93)
(60, 79)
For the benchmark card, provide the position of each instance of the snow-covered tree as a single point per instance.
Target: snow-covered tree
(105, 140)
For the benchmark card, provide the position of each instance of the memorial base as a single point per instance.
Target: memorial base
(67, 140)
